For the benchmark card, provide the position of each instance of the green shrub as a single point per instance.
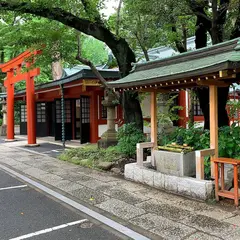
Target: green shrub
(1, 122)
(229, 142)
(128, 136)
(90, 155)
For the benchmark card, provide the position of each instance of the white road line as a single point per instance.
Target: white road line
(101, 218)
(49, 230)
(13, 187)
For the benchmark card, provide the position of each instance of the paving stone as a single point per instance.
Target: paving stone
(202, 236)
(132, 186)
(35, 172)
(21, 166)
(50, 178)
(89, 195)
(208, 225)
(234, 235)
(102, 176)
(68, 186)
(233, 220)
(126, 196)
(163, 227)
(9, 161)
(164, 210)
(216, 213)
(93, 184)
(76, 177)
(121, 209)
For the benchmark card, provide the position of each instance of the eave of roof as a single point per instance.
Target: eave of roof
(190, 64)
(83, 74)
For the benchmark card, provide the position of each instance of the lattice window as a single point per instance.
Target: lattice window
(41, 112)
(103, 110)
(197, 108)
(23, 113)
(67, 111)
(85, 108)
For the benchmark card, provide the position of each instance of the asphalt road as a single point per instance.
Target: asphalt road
(49, 149)
(26, 213)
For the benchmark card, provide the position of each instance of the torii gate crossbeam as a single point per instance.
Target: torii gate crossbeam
(13, 68)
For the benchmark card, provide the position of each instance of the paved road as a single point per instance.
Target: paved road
(49, 149)
(29, 214)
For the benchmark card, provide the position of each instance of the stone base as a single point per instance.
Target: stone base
(105, 143)
(185, 186)
(3, 130)
(10, 140)
(109, 138)
(32, 145)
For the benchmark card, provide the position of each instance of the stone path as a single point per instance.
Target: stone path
(164, 215)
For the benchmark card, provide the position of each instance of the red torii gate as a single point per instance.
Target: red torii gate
(13, 68)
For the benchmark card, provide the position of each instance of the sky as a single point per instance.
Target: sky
(110, 5)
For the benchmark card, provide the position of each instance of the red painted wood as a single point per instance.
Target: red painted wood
(10, 108)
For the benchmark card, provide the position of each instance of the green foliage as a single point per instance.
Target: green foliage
(234, 109)
(90, 155)
(229, 142)
(194, 137)
(128, 136)
(172, 113)
(1, 121)
(229, 139)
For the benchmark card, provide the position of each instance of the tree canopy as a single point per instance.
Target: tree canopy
(144, 24)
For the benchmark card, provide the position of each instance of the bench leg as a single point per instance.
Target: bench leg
(222, 176)
(216, 181)
(235, 177)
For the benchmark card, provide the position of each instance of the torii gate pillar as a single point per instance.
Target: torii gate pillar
(10, 108)
(13, 68)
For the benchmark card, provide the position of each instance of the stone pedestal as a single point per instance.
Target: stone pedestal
(109, 138)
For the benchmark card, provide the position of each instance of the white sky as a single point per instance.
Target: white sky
(111, 6)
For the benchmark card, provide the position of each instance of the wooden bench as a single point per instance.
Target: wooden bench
(224, 193)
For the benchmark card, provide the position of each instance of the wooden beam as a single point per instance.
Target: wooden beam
(213, 97)
(212, 82)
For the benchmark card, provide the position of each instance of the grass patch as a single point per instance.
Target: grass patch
(90, 155)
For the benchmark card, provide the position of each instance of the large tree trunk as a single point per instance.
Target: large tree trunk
(202, 27)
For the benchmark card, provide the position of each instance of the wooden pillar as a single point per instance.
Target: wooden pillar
(213, 98)
(10, 107)
(94, 117)
(154, 118)
(31, 111)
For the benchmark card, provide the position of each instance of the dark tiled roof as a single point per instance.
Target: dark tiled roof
(190, 64)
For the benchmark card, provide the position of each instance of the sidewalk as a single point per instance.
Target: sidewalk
(165, 215)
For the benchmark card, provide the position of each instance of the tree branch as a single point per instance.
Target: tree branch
(92, 67)
(119, 46)
(118, 17)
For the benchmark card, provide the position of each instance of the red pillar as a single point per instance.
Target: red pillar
(31, 110)
(10, 106)
(94, 118)
(182, 122)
